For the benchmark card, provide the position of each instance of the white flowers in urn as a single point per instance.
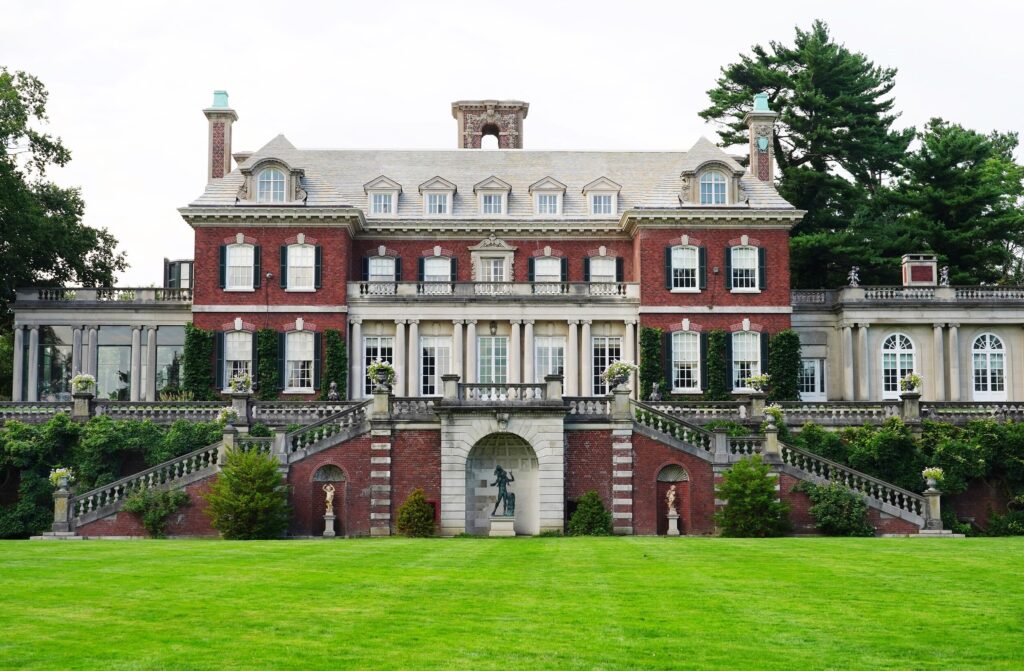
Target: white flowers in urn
(381, 373)
(911, 382)
(227, 415)
(82, 383)
(61, 477)
(617, 373)
(241, 383)
(933, 475)
(758, 382)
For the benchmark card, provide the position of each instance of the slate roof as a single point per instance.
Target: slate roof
(335, 178)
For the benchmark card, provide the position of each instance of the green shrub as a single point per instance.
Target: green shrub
(249, 499)
(260, 430)
(784, 364)
(198, 363)
(590, 518)
(153, 508)
(267, 382)
(416, 516)
(550, 533)
(822, 442)
(734, 429)
(836, 510)
(719, 387)
(753, 508)
(335, 364)
(1010, 524)
(651, 371)
(888, 452)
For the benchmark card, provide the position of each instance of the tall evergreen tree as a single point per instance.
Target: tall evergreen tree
(835, 144)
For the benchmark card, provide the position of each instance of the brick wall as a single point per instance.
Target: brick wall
(588, 464)
(979, 501)
(650, 456)
(803, 521)
(415, 463)
(352, 500)
(188, 521)
(770, 323)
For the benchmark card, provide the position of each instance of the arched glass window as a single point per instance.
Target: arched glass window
(897, 362)
(989, 358)
(685, 361)
(270, 186)
(712, 188)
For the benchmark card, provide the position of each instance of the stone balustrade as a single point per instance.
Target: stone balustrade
(477, 290)
(161, 412)
(350, 417)
(745, 446)
(105, 295)
(587, 408)
(840, 413)
(816, 298)
(278, 413)
(411, 408)
(32, 412)
(675, 427)
(502, 393)
(700, 412)
(250, 444)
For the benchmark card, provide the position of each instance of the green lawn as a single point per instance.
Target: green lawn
(541, 603)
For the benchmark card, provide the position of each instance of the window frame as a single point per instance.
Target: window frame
(549, 345)
(272, 173)
(755, 270)
(245, 364)
(612, 205)
(288, 360)
(598, 364)
(898, 353)
(235, 247)
(988, 352)
(293, 251)
(490, 200)
(444, 197)
(713, 179)
(391, 203)
(695, 289)
(755, 364)
(819, 392)
(605, 278)
(494, 371)
(540, 211)
(442, 363)
(380, 343)
(694, 362)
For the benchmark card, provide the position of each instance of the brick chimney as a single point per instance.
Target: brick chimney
(761, 122)
(920, 270)
(500, 118)
(220, 116)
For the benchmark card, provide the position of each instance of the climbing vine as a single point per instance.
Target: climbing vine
(267, 378)
(198, 360)
(335, 364)
(784, 366)
(718, 387)
(650, 361)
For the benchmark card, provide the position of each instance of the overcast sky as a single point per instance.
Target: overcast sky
(128, 81)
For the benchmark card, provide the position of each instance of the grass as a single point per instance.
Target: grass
(542, 603)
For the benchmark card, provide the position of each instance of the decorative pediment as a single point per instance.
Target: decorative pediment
(437, 184)
(492, 243)
(382, 183)
(547, 184)
(492, 183)
(270, 161)
(711, 163)
(602, 184)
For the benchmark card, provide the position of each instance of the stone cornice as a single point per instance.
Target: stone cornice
(708, 217)
(279, 216)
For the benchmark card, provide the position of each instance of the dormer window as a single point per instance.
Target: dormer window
(382, 196)
(602, 197)
(492, 203)
(382, 203)
(437, 203)
(548, 203)
(713, 188)
(270, 186)
(438, 197)
(547, 197)
(492, 194)
(601, 203)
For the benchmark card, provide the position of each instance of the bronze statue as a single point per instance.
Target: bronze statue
(329, 502)
(501, 480)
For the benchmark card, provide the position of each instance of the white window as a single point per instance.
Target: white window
(811, 381)
(492, 269)
(601, 203)
(437, 203)
(270, 186)
(746, 358)
(897, 363)
(547, 275)
(685, 266)
(712, 188)
(382, 269)
(685, 362)
(547, 203)
(989, 358)
(435, 361)
(301, 262)
(492, 203)
(376, 347)
(240, 267)
(493, 359)
(602, 269)
(299, 361)
(605, 350)
(437, 269)
(549, 357)
(744, 268)
(382, 203)
(237, 354)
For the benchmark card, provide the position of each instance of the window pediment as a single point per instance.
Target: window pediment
(382, 183)
(547, 184)
(492, 184)
(437, 184)
(602, 184)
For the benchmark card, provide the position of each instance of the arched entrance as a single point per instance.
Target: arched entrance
(673, 474)
(514, 454)
(333, 475)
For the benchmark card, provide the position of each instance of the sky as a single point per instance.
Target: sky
(128, 80)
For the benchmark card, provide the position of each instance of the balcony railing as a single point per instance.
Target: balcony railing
(466, 290)
(899, 294)
(106, 296)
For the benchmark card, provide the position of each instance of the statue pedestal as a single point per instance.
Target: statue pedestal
(329, 525)
(673, 523)
(502, 526)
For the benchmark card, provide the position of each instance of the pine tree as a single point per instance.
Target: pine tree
(249, 499)
(753, 508)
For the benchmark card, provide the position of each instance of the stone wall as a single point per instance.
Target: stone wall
(190, 520)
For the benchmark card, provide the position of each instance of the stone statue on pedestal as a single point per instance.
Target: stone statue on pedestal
(332, 394)
(673, 514)
(502, 478)
(329, 502)
(670, 499)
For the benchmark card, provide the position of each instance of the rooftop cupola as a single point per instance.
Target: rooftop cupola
(221, 116)
(761, 122)
(501, 118)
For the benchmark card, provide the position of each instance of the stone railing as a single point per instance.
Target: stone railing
(464, 290)
(348, 418)
(249, 444)
(746, 446)
(106, 295)
(161, 412)
(897, 294)
(673, 426)
(958, 412)
(839, 413)
(296, 412)
(501, 393)
(812, 297)
(982, 294)
(829, 471)
(165, 475)
(702, 411)
(414, 407)
(32, 412)
(584, 408)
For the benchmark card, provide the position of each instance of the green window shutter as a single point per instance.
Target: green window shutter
(284, 266)
(281, 347)
(619, 269)
(728, 269)
(703, 361)
(668, 267)
(667, 364)
(318, 269)
(223, 266)
(730, 382)
(366, 269)
(529, 269)
(218, 349)
(255, 359)
(455, 270)
(318, 342)
(702, 269)
(420, 269)
(256, 267)
(398, 269)
(586, 269)
(762, 268)
(565, 269)
(764, 353)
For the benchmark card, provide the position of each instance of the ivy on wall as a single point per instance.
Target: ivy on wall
(784, 366)
(267, 376)
(335, 364)
(718, 387)
(650, 361)
(198, 363)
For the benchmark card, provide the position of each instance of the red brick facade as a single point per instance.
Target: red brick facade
(588, 464)
(696, 500)
(352, 498)
(190, 520)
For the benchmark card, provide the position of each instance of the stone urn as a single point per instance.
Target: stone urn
(62, 483)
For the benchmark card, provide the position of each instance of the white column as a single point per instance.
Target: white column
(76, 350)
(399, 389)
(514, 348)
(458, 355)
(586, 360)
(938, 364)
(528, 366)
(954, 362)
(470, 350)
(91, 363)
(572, 361)
(848, 363)
(151, 363)
(136, 372)
(414, 357)
(33, 363)
(629, 353)
(864, 363)
(17, 392)
(355, 360)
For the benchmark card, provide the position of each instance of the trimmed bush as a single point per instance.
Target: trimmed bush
(153, 508)
(416, 516)
(249, 500)
(836, 510)
(590, 518)
(753, 508)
